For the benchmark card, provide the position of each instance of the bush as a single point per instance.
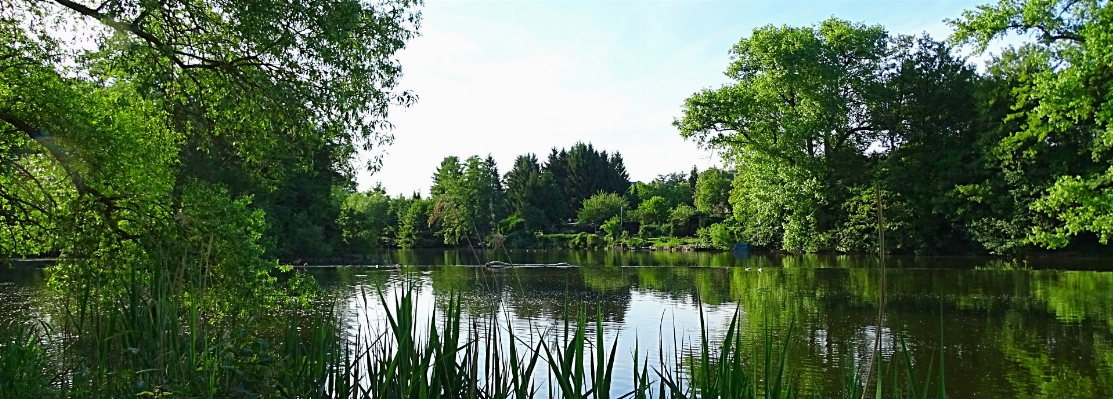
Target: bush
(584, 241)
(613, 228)
(720, 235)
(647, 230)
(601, 207)
(592, 241)
(554, 240)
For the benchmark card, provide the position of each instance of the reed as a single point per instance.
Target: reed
(148, 343)
(24, 360)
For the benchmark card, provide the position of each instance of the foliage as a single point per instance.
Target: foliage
(365, 218)
(24, 360)
(721, 235)
(581, 172)
(613, 228)
(1081, 206)
(157, 139)
(600, 207)
(801, 111)
(469, 200)
(816, 117)
(860, 231)
(680, 220)
(414, 229)
(712, 192)
(653, 211)
(533, 195)
(1064, 99)
(674, 188)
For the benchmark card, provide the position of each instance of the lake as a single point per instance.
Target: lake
(1008, 329)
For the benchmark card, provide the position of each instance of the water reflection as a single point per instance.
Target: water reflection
(1009, 329)
(725, 259)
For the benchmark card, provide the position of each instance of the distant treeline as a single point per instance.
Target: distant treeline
(576, 190)
(820, 126)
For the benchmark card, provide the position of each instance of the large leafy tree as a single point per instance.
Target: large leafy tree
(1062, 101)
(712, 193)
(365, 219)
(927, 146)
(600, 207)
(674, 188)
(653, 212)
(801, 96)
(414, 229)
(799, 107)
(147, 136)
(819, 116)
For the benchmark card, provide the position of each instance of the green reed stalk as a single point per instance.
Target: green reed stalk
(150, 342)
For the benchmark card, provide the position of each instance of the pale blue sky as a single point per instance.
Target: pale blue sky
(512, 77)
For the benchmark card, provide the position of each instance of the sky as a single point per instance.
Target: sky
(506, 78)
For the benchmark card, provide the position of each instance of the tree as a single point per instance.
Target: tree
(135, 154)
(555, 172)
(364, 219)
(680, 219)
(613, 228)
(1064, 104)
(414, 227)
(929, 139)
(693, 176)
(491, 197)
(468, 199)
(712, 195)
(447, 177)
(817, 116)
(674, 188)
(582, 172)
(800, 102)
(531, 194)
(653, 211)
(600, 207)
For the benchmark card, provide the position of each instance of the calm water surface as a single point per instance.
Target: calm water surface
(1008, 329)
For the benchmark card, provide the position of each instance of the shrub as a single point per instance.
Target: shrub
(720, 235)
(601, 207)
(613, 228)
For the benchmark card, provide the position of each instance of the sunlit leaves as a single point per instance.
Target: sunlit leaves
(1064, 101)
(600, 207)
(1082, 206)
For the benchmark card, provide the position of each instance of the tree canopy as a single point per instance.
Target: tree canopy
(169, 130)
(1061, 98)
(820, 121)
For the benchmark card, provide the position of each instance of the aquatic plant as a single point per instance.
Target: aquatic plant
(148, 345)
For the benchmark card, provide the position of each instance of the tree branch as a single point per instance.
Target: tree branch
(58, 154)
(63, 159)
